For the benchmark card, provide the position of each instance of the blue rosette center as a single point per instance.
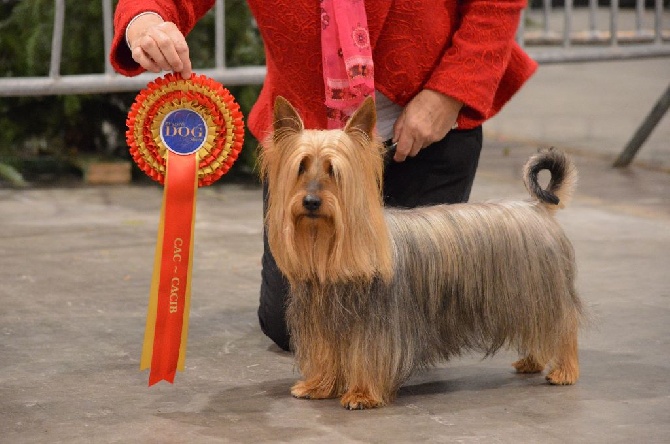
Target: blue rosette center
(183, 131)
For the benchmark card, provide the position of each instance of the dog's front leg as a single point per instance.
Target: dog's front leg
(367, 377)
(321, 372)
(319, 387)
(361, 397)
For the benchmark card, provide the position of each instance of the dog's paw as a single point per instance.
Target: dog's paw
(305, 390)
(562, 376)
(359, 401)
(528, 365)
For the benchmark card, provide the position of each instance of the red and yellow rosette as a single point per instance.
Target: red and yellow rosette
(183, 133)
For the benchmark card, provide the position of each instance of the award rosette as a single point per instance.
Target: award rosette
(183, 133)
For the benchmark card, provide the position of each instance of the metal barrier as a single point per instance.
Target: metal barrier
(594, 33)
(109, 81)
(550, 35)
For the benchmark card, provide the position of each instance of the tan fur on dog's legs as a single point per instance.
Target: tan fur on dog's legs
(319, 387)
(365, 390)
(360, 398)
(367, 375)
(565, 369)
(366, 385)
(321, 379)
(529, 364)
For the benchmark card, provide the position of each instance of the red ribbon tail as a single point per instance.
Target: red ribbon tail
(174, 280)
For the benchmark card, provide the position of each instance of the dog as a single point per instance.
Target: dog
(376, 293)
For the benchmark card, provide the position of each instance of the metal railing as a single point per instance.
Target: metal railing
(548, 34)
(109, 81)
(592, 33)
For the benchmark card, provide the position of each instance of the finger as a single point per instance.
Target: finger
(144, 60)
(400, 154)
(403, 148)
(175, 49)
(417, 146)
(399, 157)
(168, 58)
(180, 48)
(410, 142)
(148, 46)
(414, 147)
(187, 70)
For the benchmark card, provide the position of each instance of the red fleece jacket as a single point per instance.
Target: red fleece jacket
(464, 49)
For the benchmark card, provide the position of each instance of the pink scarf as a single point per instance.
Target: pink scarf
(348, 72)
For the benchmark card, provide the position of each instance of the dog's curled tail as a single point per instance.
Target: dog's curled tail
(563, 177)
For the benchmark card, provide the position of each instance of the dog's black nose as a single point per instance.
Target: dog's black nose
(311, 202)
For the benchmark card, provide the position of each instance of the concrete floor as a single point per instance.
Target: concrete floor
(75, 267)
(590, 108)
(75, 271)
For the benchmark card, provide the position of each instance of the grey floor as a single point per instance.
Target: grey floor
(75, 267)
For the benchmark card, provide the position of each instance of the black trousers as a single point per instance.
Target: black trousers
(441, 173)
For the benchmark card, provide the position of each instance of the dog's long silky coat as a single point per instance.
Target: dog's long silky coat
(378, 292)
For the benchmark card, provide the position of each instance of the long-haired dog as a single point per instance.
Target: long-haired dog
(376, 293)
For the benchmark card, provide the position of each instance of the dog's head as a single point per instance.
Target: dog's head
(324, 193)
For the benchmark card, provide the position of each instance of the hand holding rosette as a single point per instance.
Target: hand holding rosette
(183, 134)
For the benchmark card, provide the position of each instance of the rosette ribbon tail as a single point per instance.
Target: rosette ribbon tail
(164, 349)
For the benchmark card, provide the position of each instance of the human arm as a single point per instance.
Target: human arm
(468, 75)
(157, 40)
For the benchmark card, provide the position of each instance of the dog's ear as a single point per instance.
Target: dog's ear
(364, 118)
(285, 116)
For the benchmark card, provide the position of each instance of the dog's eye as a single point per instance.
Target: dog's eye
(330, 170)
(303, 167)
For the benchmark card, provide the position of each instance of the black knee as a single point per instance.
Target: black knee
(272, 304)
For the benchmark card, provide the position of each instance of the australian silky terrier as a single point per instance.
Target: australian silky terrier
(376, 293)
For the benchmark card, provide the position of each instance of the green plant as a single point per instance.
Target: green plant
(72, 126)
(57, 126)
